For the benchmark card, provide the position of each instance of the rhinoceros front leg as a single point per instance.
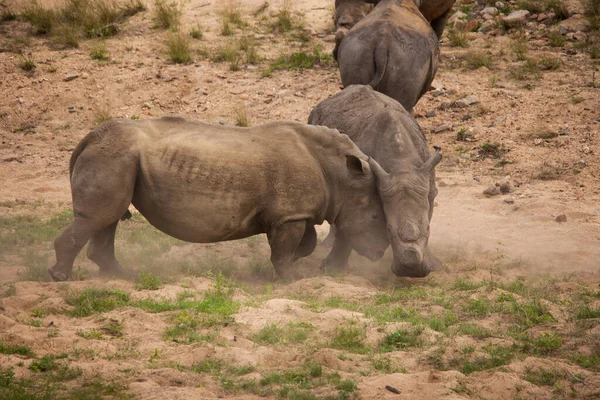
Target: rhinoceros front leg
(339, 255)
(439, 24)
(284, 241)
(308, 243)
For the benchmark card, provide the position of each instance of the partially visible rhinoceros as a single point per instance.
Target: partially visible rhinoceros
(405, 171)
(207, 183)
(349, 12)
(394, 50)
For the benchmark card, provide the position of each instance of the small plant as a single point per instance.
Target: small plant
(99, 51)
(587, 313)
(44, 364)
(299, 60)
(402, 339)
(91, 334)
(178, 48)
(576, 100)
(543, 377)
(197, 32)
(547, 343)
(9, 348)
(555, 39)
(27, 63)
(241, 115)
(458, 38)
(519, 48)
(166, 15)
(492, 150)
(350, 338)
(40, 18)
(66, 35)
(547, 62)
(478, 59)
(283, 22)
(102, 114)
(148, 281)
(548, 172)
(93, 301)
(113, 328)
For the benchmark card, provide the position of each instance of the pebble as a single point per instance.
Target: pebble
(516, 18)
(237, 90)
(487, 26)
(467, 101)
(575, 23)
(505, 188)
(499, 5)
(471, 26)
(561, 218)
(466, 117)
(492, 191)
(430, 114)
(21, 100)
(71, 109)
(70, 76)
(490, 11)
(509, 200)
(437, 93)
(497, 121)
(441, 128)
(456, 16)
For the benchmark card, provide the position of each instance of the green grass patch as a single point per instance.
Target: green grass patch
(402, 339)
(543, 377)
(587, 361)
(148, 281)
(586, 312)
(291, 333)
(178, 48)
(11, 348)
(473, 330)
(167, 15)
(458, 38)
(299, 60)
(93, 301)
(89, 335)
(351, 338)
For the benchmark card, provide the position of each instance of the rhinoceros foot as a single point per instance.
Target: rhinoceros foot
(57, 276)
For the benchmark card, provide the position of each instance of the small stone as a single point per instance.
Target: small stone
(430, 114)
(576, 23)
(471, 26)
(21, 100)
(509, 200)
(467, 101)
(561, 218)
(12, 158)
(487, 26)
(488, 17)
(71, 109)
(490, 11)
(441, 128)
(492, 191)
(221, 122)
(456, 16)
(500, 5)
(237, 90)
(497, 121)
(542, 17)
(580, 36)
(516, 18)
(70, 76)
(505, 188)
(437, 93)
(466, 117)
(437, 85)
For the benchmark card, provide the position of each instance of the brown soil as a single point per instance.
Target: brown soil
(468, 229)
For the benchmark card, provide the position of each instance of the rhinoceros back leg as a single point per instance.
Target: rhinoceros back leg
(101, 250)
(67, 245)
(339, 255)
(328, 241)
(284, 241)
(308, 243)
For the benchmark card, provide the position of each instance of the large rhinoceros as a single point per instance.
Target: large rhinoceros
(205, 183)
(405, 171)
(394, 50)
(349, 12)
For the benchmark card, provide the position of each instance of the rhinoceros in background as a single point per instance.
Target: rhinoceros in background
(205, 183)
(405, 171)
(394, 50)
(347, 14)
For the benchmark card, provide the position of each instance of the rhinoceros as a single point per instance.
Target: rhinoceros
(405, 172)
(204, 183)
(394, 50)
(349, 12)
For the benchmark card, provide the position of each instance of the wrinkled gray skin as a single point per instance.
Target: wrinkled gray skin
(204, 183)
(394, 50)
(405, 171)
(349, 12)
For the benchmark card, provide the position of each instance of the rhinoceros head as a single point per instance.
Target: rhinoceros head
(361, 218)
(348, 13)
(407, 204)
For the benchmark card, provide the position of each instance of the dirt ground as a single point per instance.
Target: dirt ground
(324, 336)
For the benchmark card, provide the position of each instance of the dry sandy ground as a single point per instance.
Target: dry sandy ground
(482, 238)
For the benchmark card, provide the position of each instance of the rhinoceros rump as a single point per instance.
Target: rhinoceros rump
(385, 131)
(394, 50)
(204, 183)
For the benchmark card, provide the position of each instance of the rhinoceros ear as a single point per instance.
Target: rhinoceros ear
(356, 165)
(433, 160)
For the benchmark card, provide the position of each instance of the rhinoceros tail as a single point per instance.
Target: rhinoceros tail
(78, 150)
(381, 60)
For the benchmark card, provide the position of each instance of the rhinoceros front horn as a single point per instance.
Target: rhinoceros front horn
(378, 170)
(433, 160)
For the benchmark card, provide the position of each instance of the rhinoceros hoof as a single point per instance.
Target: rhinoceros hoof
(57, 276)
(331, 265)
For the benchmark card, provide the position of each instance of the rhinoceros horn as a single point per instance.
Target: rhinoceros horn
(378, 170)
(433, 160)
